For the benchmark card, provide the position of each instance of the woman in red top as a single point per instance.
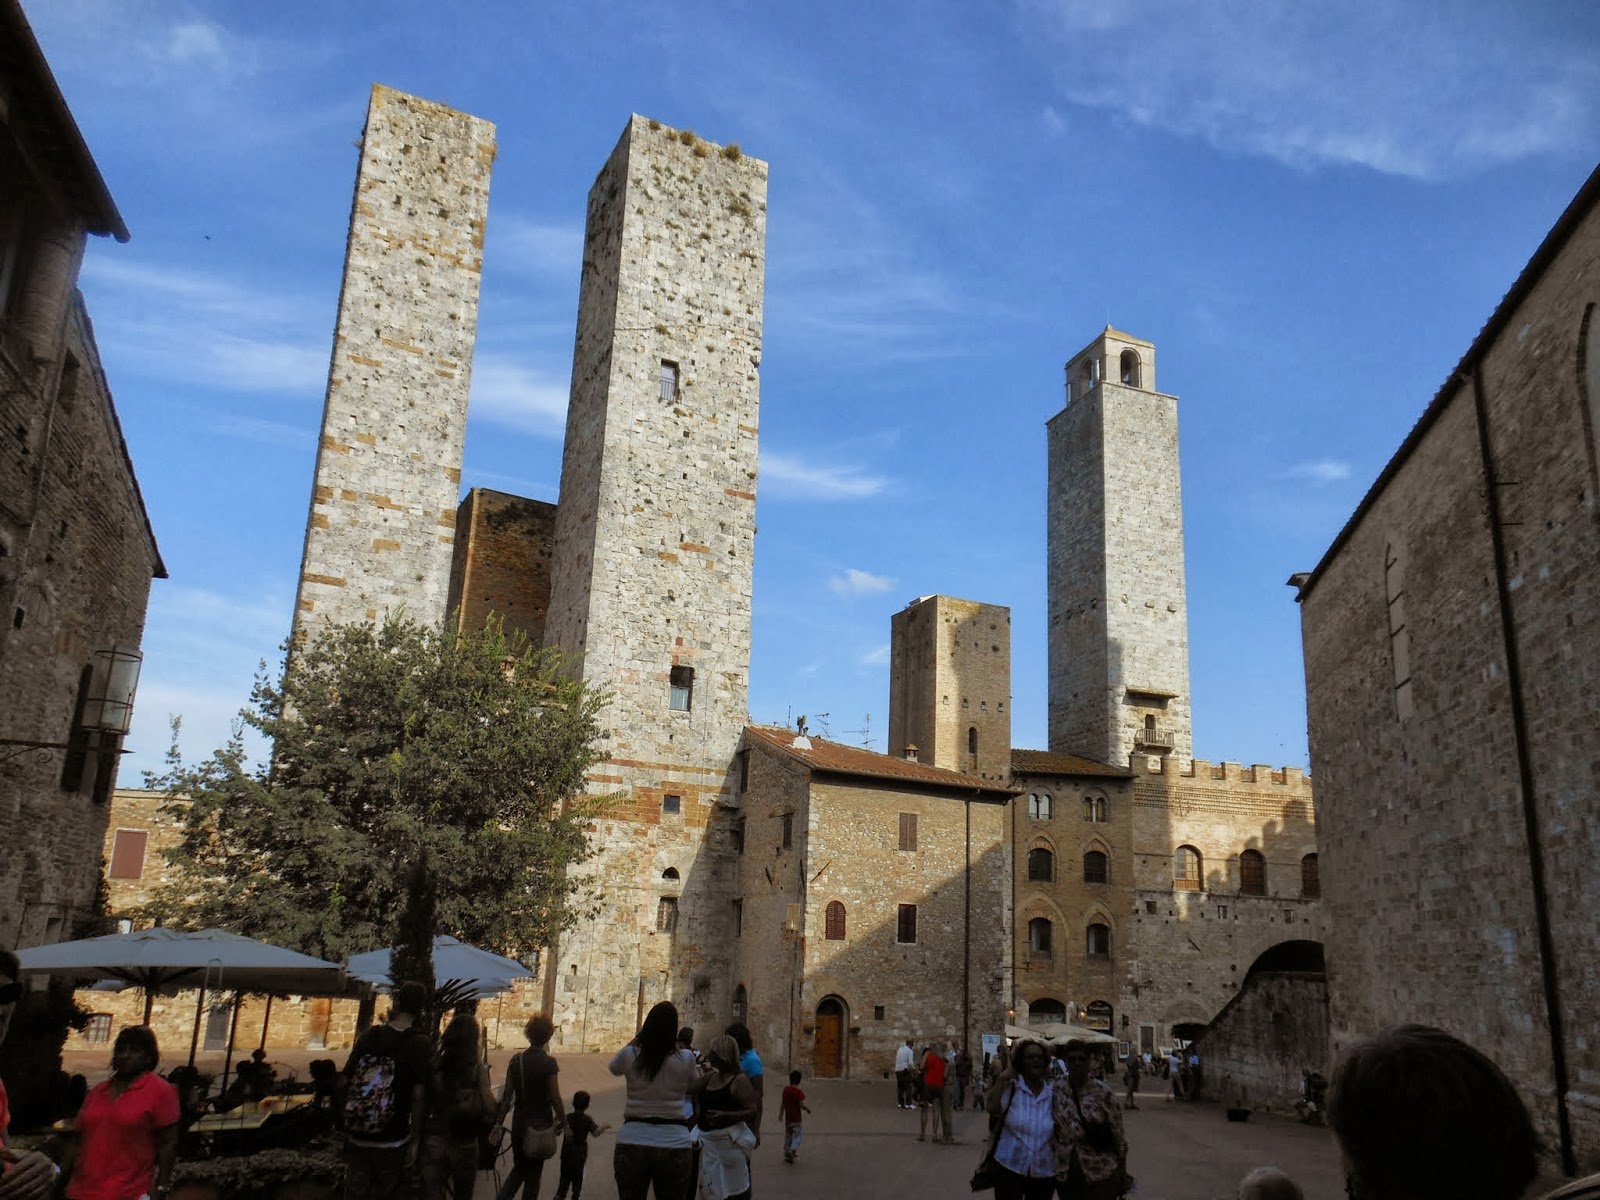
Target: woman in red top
(128, 1127)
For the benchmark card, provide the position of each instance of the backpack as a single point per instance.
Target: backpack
(369, 1101)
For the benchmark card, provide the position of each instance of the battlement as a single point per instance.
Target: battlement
(1261, 774)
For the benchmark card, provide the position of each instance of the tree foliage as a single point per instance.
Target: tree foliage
(389, 743)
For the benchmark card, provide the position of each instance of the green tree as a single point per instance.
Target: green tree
(391, 743)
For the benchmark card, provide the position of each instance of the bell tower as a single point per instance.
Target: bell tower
(1118, 609)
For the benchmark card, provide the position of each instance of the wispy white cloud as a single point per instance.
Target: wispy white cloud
(531, 248)
(142, 41)
(269, 433)
(1054, 123)
(854, 582)
(1320, 471)
(202, 649)
(512, 394)
(878, 656)
(186, 326)
(1314, 84)
(791, 477)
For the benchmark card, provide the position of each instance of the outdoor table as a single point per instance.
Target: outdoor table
(251, 1115)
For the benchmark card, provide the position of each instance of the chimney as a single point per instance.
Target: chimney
(910, 753)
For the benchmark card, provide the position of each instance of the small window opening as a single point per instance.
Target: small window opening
(1041, 866)
(1098, 941)
(833, 922)
(908, 831)
(878, 1012)
(1252, 873)
(1039, 937)
(671, 804)
(1095, 867)
(670, 873)
(682, 683)
(788, 830)
(1186, 867)
(669, 380)
(1310, 880)
(667, 915)
(1094, 809)
(1130, 368)
(906, 924)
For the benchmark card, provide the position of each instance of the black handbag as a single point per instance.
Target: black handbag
(988, 1172)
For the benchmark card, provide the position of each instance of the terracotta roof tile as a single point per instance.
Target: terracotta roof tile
(1043, 762)
(835, 759)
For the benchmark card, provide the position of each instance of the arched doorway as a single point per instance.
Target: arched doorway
(1299, 955)
(827, 1052)
(1047, 1008)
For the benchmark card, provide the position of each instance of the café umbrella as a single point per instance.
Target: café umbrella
(454, 963)
(162, 959)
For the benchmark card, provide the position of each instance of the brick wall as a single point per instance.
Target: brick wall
(78, 564)
(1428, 867)
(501, 564)
(950, 684)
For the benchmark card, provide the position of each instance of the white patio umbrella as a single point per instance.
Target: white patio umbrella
(454, 962)
(161, 958)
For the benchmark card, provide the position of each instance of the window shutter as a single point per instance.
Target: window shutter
(127, 854)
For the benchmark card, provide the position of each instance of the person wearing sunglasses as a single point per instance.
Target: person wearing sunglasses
(27, 1176)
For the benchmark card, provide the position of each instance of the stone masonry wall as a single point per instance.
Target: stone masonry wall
(502, 562)
(1117, 597)
(852, 856)
(80, 569)
(1192, 949)
(383, 503)
(655, 535)
(1427, 863)
(950, 675)
(1274, 1028)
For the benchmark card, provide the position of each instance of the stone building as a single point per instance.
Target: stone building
(77, 553)
(388, 475)
(871, 904)
(501, 567)
(1452, 701)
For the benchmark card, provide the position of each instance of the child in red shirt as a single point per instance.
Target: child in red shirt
(794, 1103)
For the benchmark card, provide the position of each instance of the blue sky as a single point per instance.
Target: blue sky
(1309, 208)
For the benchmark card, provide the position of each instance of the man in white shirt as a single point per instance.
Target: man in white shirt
(904, 1059)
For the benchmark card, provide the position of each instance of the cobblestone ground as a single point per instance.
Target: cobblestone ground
(857, 1143)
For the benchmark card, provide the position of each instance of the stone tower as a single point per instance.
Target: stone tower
(950, 685)
(651, 577)
(1119, 624)
(383, 504)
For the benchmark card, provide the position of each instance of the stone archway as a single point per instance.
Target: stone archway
(828, 1045)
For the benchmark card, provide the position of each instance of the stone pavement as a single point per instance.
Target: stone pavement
(857, 1143)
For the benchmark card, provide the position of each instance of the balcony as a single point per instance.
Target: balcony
(1151, 738)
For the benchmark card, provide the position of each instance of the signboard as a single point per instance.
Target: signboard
(1097, 1016)
(991, 1046)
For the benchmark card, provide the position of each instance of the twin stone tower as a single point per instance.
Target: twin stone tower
(647, 579)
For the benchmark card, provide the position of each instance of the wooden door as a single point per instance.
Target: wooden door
(828, 1055)
(321, 1012)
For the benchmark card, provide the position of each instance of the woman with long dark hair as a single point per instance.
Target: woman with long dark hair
(459, 1114)
(653, 1142)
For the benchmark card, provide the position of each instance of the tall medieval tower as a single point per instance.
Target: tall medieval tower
(383, 504)
(1119, 625)
(651, 577)
(950, 685)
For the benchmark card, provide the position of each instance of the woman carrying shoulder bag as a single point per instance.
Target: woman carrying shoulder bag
(538, 1113)
(1021, 1107)
(1091, 1149)
(726, 1140)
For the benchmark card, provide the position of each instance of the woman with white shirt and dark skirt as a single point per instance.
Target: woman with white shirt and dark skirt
(1022, 1107)
(653, 1142)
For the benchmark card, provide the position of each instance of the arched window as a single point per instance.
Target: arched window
(1310, 880)
(1039, 937)
(833, 921)
(1098, 941)
(1094, 809)
(972, 743)
(1130, 368)
(1252, 874)
(1041, 865)
(1186, 866)
(1095, 869)
(1041, 807)
(670, 873)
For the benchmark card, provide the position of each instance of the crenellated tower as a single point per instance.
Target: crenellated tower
(1119, 624)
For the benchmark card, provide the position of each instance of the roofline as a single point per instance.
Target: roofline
(1554, 242)
(107, 220)
(1005, 794)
